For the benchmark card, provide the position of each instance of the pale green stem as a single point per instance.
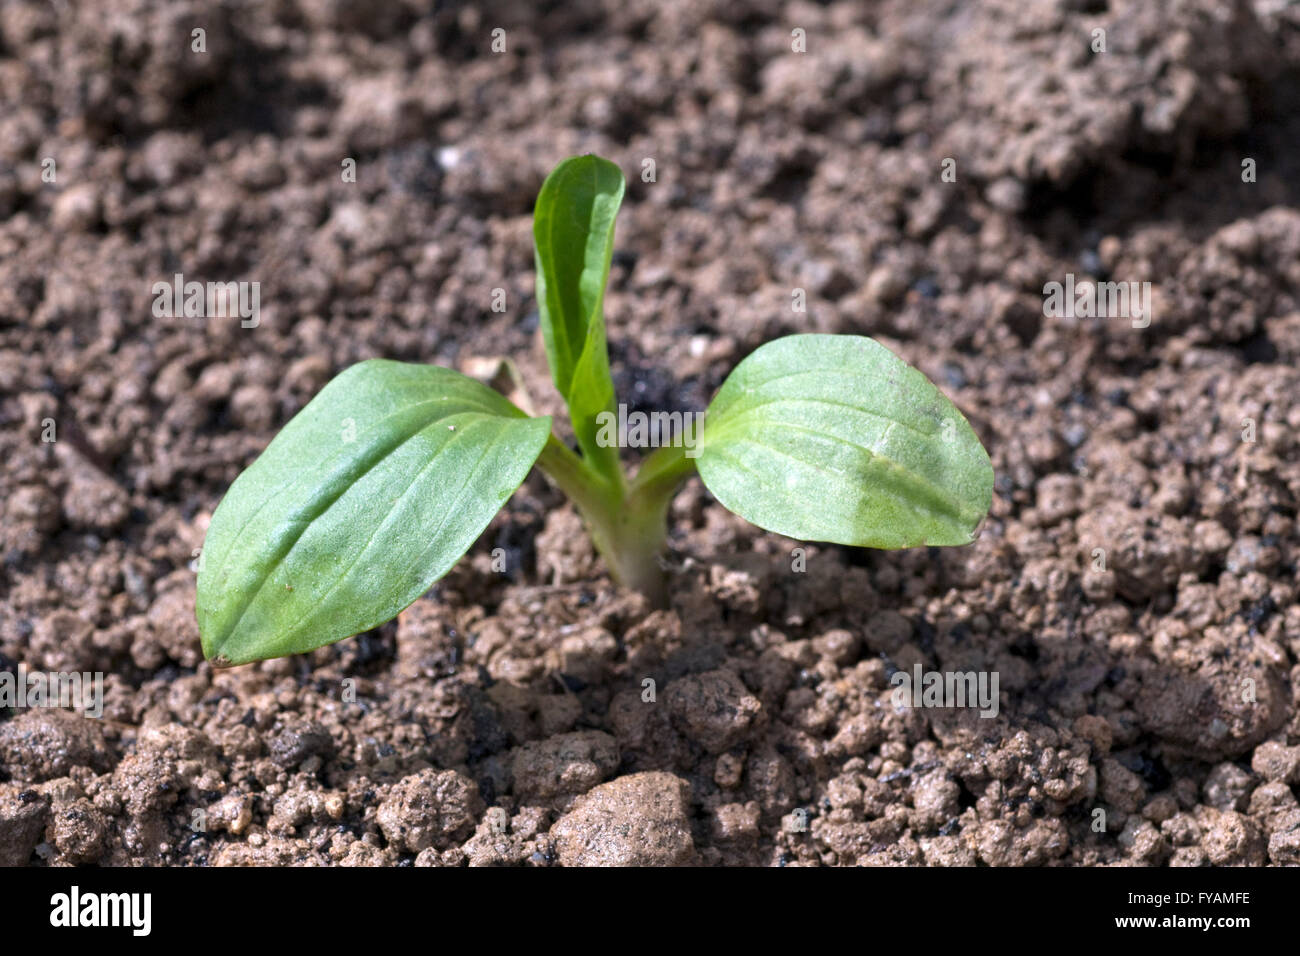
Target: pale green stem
(628, 522)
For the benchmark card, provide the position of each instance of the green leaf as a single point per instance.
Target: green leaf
(369, 495)
(573, 232)
(835, 438)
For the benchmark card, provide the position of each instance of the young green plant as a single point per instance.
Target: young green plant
(386, 478)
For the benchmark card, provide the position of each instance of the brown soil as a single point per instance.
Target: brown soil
(501, 718)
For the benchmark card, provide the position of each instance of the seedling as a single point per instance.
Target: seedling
(386, 478)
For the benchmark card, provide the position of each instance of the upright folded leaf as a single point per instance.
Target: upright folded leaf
(835, 438)
(573, 232)
(369, 495)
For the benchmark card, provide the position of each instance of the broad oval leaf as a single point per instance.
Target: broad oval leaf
(365, 498)
(573, 234)
(835, 438)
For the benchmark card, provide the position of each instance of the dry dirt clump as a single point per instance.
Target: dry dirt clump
(1134, 588)
(429, 808)
(640, 819)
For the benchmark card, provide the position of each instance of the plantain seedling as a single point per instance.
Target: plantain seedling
(385, 479)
